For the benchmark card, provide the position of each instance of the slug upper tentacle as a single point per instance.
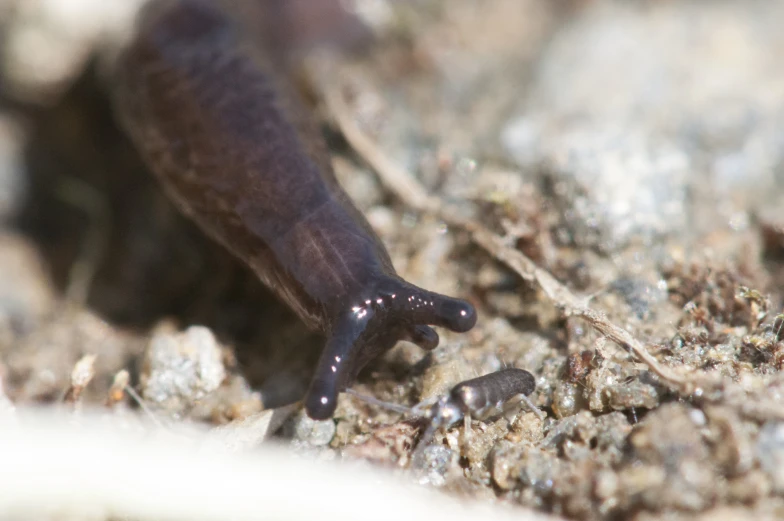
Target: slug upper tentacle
(373, 323)
(232, 145)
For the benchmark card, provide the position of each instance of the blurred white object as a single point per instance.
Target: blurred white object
(49, 41)
(52, 466)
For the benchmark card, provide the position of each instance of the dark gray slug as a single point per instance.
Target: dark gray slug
(230, 141)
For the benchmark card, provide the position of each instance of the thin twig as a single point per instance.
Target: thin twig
(398, 181)
(394, 178)
(143, 405)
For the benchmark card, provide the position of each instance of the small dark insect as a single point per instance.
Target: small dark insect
(480, 398)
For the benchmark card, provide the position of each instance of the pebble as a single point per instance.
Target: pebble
(180, 368)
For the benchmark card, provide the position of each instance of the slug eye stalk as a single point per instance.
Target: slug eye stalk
(373, 324)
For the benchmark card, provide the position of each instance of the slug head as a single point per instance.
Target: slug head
(370, 325)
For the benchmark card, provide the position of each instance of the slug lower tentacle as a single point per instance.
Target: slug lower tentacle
(228, 138)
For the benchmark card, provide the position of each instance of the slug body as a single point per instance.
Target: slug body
(231, 145)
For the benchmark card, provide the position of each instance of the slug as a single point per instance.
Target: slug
(229, 140)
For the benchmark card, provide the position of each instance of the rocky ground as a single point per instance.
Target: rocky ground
(633, 150)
